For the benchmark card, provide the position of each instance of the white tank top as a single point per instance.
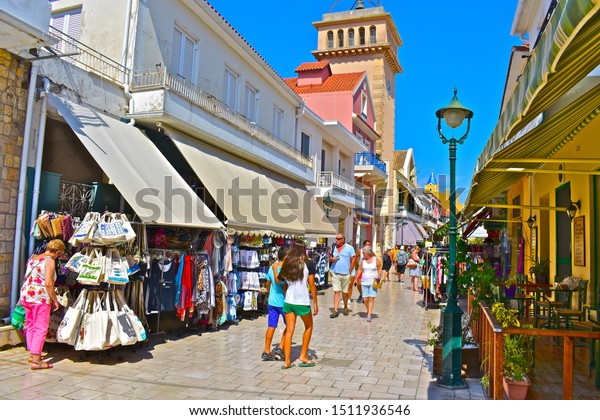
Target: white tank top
(369, 272)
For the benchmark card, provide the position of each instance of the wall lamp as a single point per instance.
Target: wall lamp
(531, 221)
(572, 208)
(327, 204)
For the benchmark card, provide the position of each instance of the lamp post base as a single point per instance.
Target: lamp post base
(452, 347)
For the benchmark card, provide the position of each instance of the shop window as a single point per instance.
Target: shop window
(230, 88)
(183, 54)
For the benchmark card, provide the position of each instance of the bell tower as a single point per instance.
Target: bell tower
(365, 39)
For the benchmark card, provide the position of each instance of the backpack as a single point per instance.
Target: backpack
(402, 258)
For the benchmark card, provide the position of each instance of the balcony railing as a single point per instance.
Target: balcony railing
(160, 78)
(88, 58)
(367, 158)
(331, 179)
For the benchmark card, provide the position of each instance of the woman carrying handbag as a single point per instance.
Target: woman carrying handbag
(414, 270)
(370, 272)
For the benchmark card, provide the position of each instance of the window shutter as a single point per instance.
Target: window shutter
(176, 53)
(188, 58)
(74, 24)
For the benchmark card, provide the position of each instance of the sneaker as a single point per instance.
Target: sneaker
(278, 352)
(346, 311)
(359, 300)
(268, 357)
(334, 315)
(368, 319)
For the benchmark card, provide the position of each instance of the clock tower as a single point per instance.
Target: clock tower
(365, 39)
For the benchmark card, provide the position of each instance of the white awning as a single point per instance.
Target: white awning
(240, 188)
(147, 181)
(409, 235)
(303, 204)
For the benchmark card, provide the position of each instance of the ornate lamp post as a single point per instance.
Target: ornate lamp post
(402, 224)
(454, 115)
(327, 204)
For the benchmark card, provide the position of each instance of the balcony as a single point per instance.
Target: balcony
(153, 91)
(344, 191)
(369, 167)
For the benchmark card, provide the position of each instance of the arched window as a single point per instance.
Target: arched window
(361, 35)
(373, 35)
(340, 38)
(330, 39)
(351, 37)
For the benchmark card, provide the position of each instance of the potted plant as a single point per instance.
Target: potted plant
(469, 350)
(540, 270)
(517, 354)
(510, 287)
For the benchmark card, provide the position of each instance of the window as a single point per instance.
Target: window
(373, 35)
(67, 22)
(364, 105)
(183, 54)
(230, 88)
(305, 145)
(330, 39)
(339, 166)
(322, 160)
(251, 103)
(278, 123)
(351, 37)
(361, 35)
(340, 38)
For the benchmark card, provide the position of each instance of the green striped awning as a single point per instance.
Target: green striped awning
(568, 51)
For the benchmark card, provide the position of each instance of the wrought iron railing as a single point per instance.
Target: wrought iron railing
(159, 78)
(331, 179)
(367, 158)
(75, 199)
(88, 58)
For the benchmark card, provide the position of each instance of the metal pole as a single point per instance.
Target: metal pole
(452, 314)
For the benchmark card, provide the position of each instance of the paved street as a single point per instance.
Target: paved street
(385, 359)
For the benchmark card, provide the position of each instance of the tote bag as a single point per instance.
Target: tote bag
(91, 271)
(112, 328)
(125, 329)
(84, 232)
(140, 331)
(69, 326)
(94, 336)
(75, 262)
(128, 231)
(83, 324)
(110, 229)
(115, 272)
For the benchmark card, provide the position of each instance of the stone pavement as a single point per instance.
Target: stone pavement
(387, 358)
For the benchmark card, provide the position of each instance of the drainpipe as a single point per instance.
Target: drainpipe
(39, 155)
(130, 97)
(126, 35)
(20, 216)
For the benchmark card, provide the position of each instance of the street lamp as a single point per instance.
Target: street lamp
(327, 204)
(454, 115)
(402, 223)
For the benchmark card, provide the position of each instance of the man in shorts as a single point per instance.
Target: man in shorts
(401, 260)
(341, 260)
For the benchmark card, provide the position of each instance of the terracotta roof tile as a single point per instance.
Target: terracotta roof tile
(318, 65)
(335, 83)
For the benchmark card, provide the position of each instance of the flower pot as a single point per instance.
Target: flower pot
(470, 361)
(515, 390)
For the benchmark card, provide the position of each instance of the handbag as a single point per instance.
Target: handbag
(69, 326)
(377, 283)
(140, 331)
(91, 271)
(411, 263)
(17, 319)
(115, 272)
(125, 328)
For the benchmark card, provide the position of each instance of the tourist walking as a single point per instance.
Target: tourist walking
(39, 299)
(275, 308)
(387, 263)
(299, 273)
(369, 272)
(401, 260)
(341, 259)
(354, 277)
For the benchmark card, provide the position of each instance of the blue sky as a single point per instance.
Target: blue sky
(459, 43)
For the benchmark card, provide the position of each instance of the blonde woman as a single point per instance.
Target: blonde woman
(38, 299)
(369, 271)
(414, 269)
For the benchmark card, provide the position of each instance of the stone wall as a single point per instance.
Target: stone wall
(14, 82)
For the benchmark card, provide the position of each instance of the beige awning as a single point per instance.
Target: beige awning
(303, 204)
(247, 197)
(147, 181)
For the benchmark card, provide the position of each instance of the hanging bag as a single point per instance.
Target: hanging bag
(91, 271)
(78, 259)
(140, 331)
(125, 328)
(112, 327)
(69, 326)
(110, 229)
(85, 230)
(84, 323)
(115, 272)
(128, 231)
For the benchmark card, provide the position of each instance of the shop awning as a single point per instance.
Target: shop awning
(474, 224)
(147, 181)
(410, 235)
(566, 53)
(303, 204)
(541, 143)
(247, 197)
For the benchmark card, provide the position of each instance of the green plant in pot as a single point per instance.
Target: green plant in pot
(470, 351)
(517, 353)
(540, 270)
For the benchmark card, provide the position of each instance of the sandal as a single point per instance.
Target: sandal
(41, 365)
(309, 363)
(284, 367)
